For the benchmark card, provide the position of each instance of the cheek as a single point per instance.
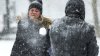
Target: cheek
(38, 14)
(30, 14)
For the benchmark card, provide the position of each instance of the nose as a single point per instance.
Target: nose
(33, 12)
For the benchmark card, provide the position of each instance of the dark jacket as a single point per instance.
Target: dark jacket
(71, 35)
(28, 40)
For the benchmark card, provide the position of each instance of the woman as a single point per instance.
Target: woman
(29, 42)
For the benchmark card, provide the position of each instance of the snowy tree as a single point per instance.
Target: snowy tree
(96, 19)
(6, 18)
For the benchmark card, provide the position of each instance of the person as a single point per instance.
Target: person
(29, 42)
(71, 35)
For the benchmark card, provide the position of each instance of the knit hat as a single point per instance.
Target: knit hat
(36, 4)
(40, 1)
(75, 8)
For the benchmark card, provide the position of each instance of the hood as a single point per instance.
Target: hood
(75, 8)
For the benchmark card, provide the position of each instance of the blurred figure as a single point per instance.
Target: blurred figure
(30, 41)
(71, 35)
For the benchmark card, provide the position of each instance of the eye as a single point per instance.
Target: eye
(36, 10)
(32, 10)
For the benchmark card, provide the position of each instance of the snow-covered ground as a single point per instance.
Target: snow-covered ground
(6, 46)
(98, 42)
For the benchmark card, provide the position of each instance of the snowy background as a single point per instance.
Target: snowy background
(52, 8)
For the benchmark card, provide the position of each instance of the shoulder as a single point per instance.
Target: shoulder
(89, 27)
(56, 25)
(88, 30)
(46, 21)
(57, 22)
(23, 22)
(22, 18)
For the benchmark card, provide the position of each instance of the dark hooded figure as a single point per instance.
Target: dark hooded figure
(29, 39)
(71, 35)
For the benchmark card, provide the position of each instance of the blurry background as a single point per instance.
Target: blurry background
(53, 9)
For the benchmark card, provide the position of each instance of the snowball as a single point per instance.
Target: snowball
(42, 31)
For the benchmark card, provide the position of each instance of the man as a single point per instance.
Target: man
(71, 35)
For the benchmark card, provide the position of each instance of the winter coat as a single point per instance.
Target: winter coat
(28, 40)
(71, 35)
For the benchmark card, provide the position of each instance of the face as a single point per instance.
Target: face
(34, 13)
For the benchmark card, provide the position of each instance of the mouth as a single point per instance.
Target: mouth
(33, 15)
